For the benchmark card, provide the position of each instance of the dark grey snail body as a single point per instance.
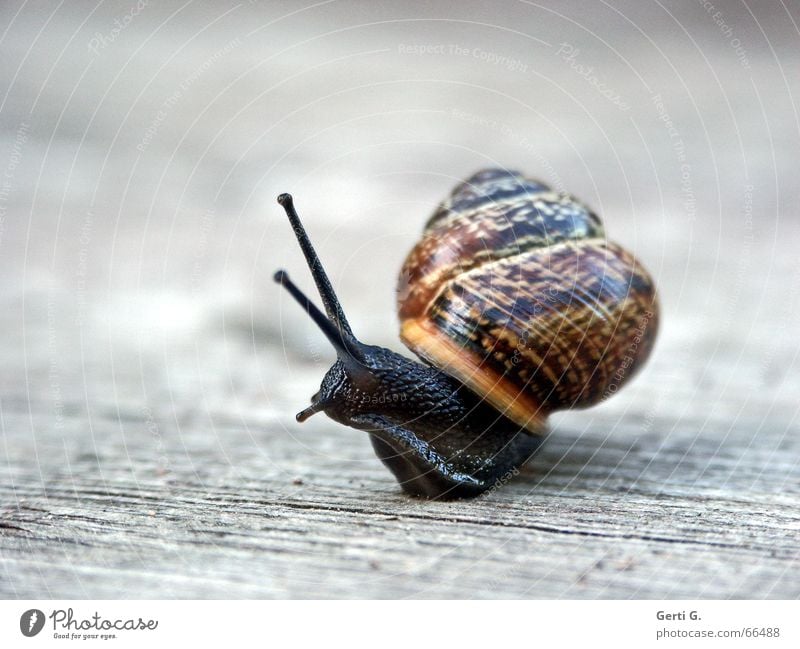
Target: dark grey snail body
(438, 438)
(475, 411)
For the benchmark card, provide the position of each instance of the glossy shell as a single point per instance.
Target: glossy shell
(515, 291)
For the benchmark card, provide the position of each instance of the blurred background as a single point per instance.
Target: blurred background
(142, 145)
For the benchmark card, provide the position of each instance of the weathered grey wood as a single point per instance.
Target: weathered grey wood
(661, 513)
(149, 368)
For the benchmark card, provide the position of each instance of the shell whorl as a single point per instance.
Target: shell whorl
(515, 291)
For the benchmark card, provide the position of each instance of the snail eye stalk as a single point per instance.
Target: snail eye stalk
(347, 347)
(329, 300)
(349, 350)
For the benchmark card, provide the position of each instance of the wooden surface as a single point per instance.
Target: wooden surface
(150, 369)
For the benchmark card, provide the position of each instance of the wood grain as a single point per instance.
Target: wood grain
(183, 502)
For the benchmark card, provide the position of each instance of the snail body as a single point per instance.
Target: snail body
(517, 305)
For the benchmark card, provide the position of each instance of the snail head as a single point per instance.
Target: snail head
(357, 372)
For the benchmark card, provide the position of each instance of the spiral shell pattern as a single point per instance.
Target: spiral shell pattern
(515, 291)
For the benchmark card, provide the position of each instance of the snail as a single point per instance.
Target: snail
(517, 306)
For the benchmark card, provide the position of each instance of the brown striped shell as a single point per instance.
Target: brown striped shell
(515, 291)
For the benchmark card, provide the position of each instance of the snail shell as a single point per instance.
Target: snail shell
(515, 291)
